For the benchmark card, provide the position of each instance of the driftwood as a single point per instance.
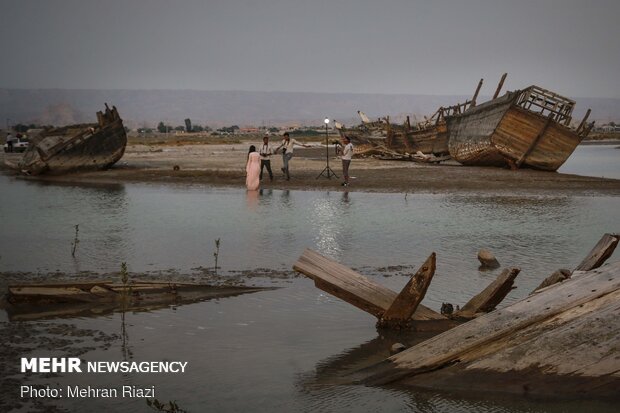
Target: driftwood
(398, 310)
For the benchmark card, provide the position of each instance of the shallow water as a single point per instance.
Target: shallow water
(282, 350)
(594, 160)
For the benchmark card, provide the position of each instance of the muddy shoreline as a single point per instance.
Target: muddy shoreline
(224, 165)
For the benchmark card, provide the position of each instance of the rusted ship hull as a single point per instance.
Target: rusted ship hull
(504, 132)
(78, 147)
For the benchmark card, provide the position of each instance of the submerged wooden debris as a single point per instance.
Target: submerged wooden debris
(562, 340)
(403, 310)
(77, 147)
(36, 301)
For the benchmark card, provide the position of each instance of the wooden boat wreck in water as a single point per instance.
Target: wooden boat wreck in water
(528, 128)
(559, 341)
(44, 301)
(399, 310)
(77, 147)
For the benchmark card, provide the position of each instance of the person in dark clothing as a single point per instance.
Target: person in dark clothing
(265, 158)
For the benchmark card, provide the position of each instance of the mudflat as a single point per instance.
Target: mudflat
(224, 165)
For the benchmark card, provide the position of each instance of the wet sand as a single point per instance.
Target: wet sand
(224, 165)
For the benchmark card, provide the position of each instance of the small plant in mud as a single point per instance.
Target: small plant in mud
(76, 241)
(126, 293)
(216, 254)
(170, 407)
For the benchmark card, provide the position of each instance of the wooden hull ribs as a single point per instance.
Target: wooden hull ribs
(398, 310)
(560, 341)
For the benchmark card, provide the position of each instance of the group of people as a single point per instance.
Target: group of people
(261, 160)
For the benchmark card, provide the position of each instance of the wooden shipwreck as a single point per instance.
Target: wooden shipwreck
(429, 136)
(38, 301)
(560, 341)
(528, 128)
(399, 310)
(77, 147)
(367, 135)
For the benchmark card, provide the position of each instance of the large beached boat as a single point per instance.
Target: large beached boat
(528, 128)
(77, 147)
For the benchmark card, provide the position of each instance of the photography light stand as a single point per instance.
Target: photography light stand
(328, 172)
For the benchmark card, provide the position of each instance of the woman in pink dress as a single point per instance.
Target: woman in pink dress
(252, 170)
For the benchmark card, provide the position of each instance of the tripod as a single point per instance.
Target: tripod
(327, 171)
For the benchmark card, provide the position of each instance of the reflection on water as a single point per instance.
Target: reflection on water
(155, 228)
(279, 350)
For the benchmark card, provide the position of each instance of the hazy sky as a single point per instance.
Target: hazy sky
(380, 46)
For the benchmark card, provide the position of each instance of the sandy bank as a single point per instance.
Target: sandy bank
(224, 165)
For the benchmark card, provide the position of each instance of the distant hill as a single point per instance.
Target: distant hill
(218, 108)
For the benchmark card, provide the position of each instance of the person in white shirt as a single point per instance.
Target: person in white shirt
(347, 154)
(9, 142)
(288, 145)
(265, 162)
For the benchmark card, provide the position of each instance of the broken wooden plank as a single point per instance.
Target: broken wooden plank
(404, 305)
(557, 277)
(482, 333)
(341, 281)
(491, 296)
(50, 293)
(595, 258)
(346, 284)
(600, 253)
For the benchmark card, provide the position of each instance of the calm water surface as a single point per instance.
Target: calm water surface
(280, 350)
(594, 160)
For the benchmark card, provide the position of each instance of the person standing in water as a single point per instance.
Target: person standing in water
(347, 154)
(252, 170)
(288, 145)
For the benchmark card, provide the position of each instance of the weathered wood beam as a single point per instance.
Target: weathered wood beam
(558, 276)
(583, 121)
(482, 335)
(473, 100)
(599, 254)
(346, 284)
(535, 141)
(499, 86)
(491, 296)
(405, 304)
